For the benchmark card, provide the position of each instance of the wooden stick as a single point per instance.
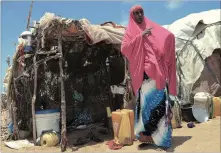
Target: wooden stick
(47, 52)
(10, 96)
(15, 123)
(63, 102)
(37, 64)
(34, 95)
(9, 99)
(12, 100)
(39, 53)
(14, 115)
(109, 91)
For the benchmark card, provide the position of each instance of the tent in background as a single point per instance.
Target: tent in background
(198, 54)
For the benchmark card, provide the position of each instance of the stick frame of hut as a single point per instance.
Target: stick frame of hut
(34, 94)
(52, 43)
(63, 102)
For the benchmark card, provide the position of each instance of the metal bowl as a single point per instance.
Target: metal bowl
(200, 114)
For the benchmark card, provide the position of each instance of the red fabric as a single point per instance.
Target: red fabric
(113, 146)
(153, 54)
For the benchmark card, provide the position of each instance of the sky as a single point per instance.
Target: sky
(14, 16)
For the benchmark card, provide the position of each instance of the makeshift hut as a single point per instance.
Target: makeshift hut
(198, 54)
(69, 64)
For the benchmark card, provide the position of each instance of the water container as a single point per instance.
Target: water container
(47, 120)
(203, 107)
(123, 126)
(49, 139)
(28, 47)
(216, 103)
(27, 36)
(201, 100)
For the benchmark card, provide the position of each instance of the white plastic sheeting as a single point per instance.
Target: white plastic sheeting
(196, 32)
(107, 32)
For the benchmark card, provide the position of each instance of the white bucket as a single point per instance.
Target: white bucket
(47, 120)
(202, 107)
(203, 100)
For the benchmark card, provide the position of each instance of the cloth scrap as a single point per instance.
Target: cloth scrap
(19, 144)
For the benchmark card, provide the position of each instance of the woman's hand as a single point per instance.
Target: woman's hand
(147, 32)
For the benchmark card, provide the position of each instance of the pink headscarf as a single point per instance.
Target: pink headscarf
(150, 54)
(133, 28)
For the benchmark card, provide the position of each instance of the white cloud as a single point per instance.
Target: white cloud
(174, 4)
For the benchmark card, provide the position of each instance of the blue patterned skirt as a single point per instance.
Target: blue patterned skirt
(153, 114)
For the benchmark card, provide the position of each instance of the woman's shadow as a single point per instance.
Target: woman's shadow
(176, 141)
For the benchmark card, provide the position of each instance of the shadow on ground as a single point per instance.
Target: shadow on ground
(176, 141)
(81, 135)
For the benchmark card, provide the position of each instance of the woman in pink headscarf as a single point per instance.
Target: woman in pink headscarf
(150, 50)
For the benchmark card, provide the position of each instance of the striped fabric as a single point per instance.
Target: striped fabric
(150, 114)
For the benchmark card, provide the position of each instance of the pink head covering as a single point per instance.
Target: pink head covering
(133, 28)
(149, 54)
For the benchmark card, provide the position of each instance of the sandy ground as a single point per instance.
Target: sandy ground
(205, 137)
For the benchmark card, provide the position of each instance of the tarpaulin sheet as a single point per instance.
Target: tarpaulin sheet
(195, 33)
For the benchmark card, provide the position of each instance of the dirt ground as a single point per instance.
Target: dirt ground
(205, 137)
